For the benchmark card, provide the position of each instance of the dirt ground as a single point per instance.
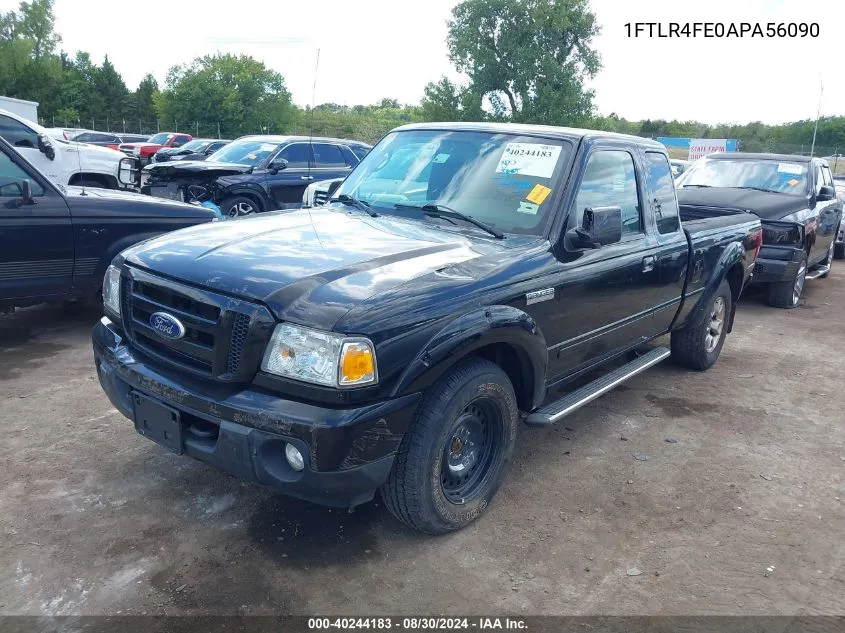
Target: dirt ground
(737, 510)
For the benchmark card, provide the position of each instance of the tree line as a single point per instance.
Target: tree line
(524, 61)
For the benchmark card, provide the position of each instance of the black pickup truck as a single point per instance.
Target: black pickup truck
(394, 338)
(795, 198)
(56, 242)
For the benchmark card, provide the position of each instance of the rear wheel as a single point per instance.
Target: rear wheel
(238, 206)
(698, 345)
(453, 458)
(787, 294)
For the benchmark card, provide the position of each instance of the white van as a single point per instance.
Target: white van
(67, 163)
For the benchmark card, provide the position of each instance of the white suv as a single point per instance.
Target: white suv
(63, 162)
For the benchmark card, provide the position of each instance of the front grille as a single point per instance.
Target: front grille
(320, 198)
(223, 337)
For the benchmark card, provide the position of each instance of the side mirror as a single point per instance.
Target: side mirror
(46, 147)
(599, 226)
(26, 191)
(277, 165)
(826, 193)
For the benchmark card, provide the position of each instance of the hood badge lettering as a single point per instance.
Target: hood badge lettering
(537, 296)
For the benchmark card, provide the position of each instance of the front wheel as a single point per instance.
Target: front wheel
(787, 294)
(238, 206)
(453, 458)
(698, 344)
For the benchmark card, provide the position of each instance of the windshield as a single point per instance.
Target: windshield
(161, 138)
(769, 175)
(246, 152)
(503, 180)
(195, 146)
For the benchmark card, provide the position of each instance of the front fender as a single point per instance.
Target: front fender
(504, 325)
(251, 190)
(731, 257)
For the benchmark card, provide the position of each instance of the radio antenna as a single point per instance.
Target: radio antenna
(311, 117)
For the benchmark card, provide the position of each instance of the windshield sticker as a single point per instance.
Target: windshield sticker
(514, 182)
(790, 168)
(529, 159)
(538, 194)
(441, 158)
(792, 182)
(528, 207)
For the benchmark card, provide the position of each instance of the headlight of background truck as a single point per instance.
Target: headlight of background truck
(111, 290)
(324, 358)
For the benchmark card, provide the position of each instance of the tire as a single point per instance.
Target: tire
(698, 345)
(239, 206)
(431, 487)
(839, 251)
(787, 294)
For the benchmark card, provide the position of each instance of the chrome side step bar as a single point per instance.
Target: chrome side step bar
(559, 409)
(818, 272)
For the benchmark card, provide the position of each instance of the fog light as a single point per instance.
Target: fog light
(294, 457)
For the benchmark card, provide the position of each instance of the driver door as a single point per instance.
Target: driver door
(36, 239)
(287, 186)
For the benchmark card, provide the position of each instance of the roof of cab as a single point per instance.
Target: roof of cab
(548, 131)
(792, 158)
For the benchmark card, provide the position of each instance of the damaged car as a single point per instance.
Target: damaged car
(252, 174)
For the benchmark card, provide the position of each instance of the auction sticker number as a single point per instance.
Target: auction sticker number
(529, 159)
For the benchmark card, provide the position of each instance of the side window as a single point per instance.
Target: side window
(85, 137)
(327, 155)
(610, 180)
(10, 175)
(819, 179)
(662, 187)
(360, 151)
(296, 154)
(17, 133)
(213, 147)
(179, 141)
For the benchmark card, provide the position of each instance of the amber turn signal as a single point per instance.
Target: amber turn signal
(357, 364)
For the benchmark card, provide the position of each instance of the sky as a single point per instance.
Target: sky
(371, 49)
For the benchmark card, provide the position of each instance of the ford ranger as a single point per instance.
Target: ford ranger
(393, 339)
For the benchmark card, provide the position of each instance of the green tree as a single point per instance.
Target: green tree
(142, 105)
(446, 101)
(529, 58)
(239, 92)
(35, 23)
(110, 87)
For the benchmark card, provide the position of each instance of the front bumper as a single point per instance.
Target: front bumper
(242, 430)
(776, 264)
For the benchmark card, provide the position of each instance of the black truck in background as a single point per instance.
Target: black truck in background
(796, 201)
(55, 242)
(393, 339)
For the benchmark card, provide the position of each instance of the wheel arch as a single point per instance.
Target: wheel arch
(729, 267)
(504, 335)
(108, 182)
(245, 192)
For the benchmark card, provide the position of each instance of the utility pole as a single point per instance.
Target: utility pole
(818, 114)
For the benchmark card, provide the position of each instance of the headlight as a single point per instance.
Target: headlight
(111, 290)
(324, 358)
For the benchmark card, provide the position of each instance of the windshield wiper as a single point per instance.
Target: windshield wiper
(685, 186)
(352, 201)
(756, 189)
(442, 211)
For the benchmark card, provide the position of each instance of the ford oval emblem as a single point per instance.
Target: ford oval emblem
(167, 326)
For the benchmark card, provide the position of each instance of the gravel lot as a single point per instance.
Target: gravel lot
(738, 508)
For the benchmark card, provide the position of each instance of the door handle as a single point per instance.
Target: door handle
(648, 263)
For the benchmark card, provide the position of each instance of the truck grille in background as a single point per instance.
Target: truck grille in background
(223, 338)
(320, 198)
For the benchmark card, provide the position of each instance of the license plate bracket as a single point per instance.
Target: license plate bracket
(158, 422)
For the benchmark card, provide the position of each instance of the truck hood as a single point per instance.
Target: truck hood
(190, 168)
(111, 203)
(768, 205)
(309, 266)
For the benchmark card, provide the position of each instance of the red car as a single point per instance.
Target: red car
(144, 151)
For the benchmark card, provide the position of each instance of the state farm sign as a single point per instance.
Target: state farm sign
(699, 147)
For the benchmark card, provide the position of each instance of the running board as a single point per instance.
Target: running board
(559, 409)
(818, 272)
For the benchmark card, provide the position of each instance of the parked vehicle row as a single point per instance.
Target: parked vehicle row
(254, 173)
(197, 149)
(393, 339)
(795, 198)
